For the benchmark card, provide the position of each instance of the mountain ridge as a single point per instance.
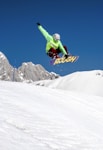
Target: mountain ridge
(27, 72)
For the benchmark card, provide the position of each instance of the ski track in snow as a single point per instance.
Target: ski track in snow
(40, 118)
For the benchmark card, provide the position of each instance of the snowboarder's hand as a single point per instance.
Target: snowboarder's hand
(66, 56)
(38, 23)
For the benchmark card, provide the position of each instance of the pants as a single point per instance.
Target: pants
(54, 52)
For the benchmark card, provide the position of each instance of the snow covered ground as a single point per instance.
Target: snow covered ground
(51, 118)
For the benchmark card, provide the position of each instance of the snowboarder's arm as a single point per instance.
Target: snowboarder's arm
(44, 32)
(62, 49)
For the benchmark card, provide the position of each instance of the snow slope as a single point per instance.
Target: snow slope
(90, 82)
(41, 118)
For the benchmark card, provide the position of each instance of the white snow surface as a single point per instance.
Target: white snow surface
(90, 82)
(51, 118)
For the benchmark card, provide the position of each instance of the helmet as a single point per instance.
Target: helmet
(56, 36)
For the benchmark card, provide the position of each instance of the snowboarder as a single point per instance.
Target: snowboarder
(53, 45)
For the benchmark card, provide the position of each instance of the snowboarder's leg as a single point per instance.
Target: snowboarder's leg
(59, 51)
(65, 49)
(53, 53)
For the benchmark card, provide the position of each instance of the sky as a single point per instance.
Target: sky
(80, 24)
(60, 119)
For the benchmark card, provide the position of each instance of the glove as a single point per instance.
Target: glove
(66, 56)
(38, 23)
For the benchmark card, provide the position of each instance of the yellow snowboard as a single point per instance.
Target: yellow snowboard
(70, 59)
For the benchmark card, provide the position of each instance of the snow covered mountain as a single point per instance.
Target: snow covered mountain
(90, 82)
(54, 117)
(61, 114)
(28, 72)
(5, 68)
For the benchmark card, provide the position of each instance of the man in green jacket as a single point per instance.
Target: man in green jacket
(53, 45)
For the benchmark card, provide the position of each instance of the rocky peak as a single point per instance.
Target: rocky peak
(5, 68)
(27, 72)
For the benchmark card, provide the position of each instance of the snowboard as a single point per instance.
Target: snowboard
(70, 59)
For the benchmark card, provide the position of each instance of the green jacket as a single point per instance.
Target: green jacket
(50, 41)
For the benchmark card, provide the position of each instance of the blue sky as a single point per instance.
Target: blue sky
(80, 24)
